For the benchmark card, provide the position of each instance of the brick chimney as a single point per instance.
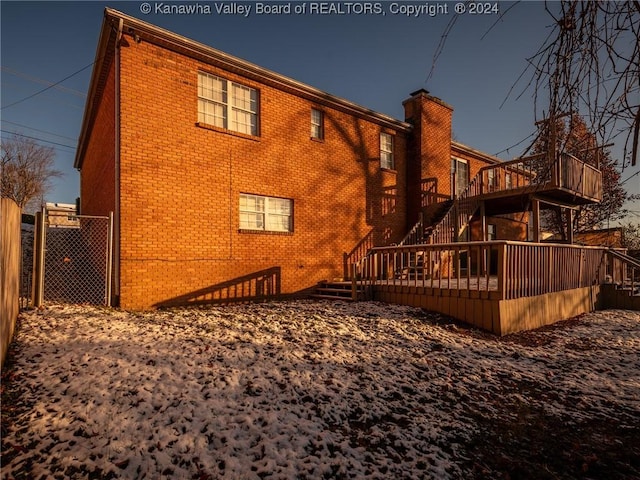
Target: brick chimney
(429, 148)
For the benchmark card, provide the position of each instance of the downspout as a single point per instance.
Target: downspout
(116, 219)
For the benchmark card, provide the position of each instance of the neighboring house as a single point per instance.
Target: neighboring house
(230, 182)
(62, 215)
(605, 237)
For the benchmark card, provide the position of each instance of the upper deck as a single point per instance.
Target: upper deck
(567, 181)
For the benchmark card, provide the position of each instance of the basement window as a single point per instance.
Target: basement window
(270, 214)
(227, 104)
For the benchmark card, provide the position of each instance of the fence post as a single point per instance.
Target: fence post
(37, 287)
(354, 285)
(109, 261)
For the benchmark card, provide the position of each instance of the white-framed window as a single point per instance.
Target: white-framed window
(459, 176)
(386, 151)
(270, 214)
(507, 181)
(491, 231)
(317, 124)
(492, 183)
(227, 104)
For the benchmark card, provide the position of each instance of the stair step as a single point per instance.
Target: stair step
(337, 291)
(330, 297)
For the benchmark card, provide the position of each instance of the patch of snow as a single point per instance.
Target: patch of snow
(301, 389)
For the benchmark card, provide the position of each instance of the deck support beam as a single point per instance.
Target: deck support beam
(535, 207)
(569, 217)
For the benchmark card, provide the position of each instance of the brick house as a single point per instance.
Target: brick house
(229, 182)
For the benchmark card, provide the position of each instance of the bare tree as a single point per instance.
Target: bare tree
(590, 64)
(26, 170)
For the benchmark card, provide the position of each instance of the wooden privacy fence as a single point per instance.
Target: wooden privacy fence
(10, 219)
(500, 270)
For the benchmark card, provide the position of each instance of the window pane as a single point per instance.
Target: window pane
(243, 122)
(278, 223)
(386, 151)
(252, 221)
(316, 124)
(212, 88)
(265, 213)
(279, 206)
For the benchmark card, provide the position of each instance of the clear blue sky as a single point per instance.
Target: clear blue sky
(373, 60)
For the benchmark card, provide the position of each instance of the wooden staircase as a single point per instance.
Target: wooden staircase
(339, 290)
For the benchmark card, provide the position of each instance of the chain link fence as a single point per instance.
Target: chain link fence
(77, 259)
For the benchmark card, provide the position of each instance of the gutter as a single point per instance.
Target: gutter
(116, 216)
(211, 55)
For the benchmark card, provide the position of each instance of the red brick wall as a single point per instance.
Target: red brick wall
(180, 187)
(97, 175)
(430, 146)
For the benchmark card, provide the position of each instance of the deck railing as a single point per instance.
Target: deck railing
(454, 223)
(624, 271)
(567, 172)
(502, 269)
(356, 254)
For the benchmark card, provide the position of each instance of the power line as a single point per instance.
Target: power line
(44, 82)
(629, 178)
(47, 88)
(49, 96)
(515, 145)
(39, 139)
(41, 131)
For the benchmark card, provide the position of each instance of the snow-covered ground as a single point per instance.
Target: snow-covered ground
(288, 390)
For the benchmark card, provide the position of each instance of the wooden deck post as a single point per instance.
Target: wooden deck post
(354, 284)
(502, 269)
(536, 220)
(569, 215)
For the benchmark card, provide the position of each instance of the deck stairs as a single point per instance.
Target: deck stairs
(339, 290)
(630, 281)
(447, 225)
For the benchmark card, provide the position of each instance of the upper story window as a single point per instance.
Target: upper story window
(386, 151)
(317, 124)
(265, 213)
(227, 104)
(459, 176)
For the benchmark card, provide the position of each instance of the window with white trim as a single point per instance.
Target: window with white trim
(227, 104)
(270, 214)
(317, 124)
(386, 151)
(459, 175)
(491, 232)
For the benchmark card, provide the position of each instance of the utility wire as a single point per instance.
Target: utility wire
(39, 139)
(629, 178)
(44, 82)
(48, 88)
(41, 131)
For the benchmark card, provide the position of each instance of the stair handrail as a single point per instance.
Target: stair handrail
(358, 252)
(631, 263)
(416, 231)
(469, 200)
(625, 258)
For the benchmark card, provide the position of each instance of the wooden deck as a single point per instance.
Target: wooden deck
(500, 286)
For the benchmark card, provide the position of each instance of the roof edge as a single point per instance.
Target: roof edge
(187, 45)
(472, 151)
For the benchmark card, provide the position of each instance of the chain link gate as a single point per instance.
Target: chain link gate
(73, 259)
